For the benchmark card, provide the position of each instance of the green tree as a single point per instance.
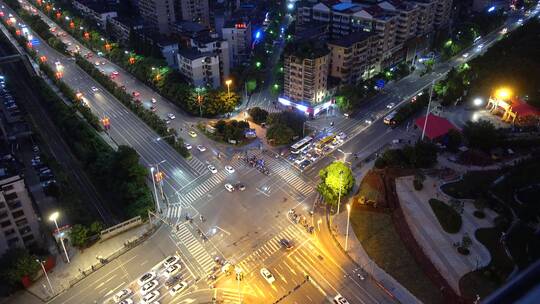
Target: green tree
(79, 235)
(481, 134)
(279, 134)
(17, 263)
(454, 140)
(335, 177)
(258, 115)
(95, 227)
(424, 156)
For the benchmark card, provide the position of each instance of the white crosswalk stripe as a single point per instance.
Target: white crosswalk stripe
(252, 261)
(195, 249)
(197, 165)
(231, 296)
(288, 174)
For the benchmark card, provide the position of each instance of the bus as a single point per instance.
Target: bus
(323, 142)
(301, 145)
(389, 119)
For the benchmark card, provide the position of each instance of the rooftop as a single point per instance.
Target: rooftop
(307, 49)
(351, 39)
(193, 54)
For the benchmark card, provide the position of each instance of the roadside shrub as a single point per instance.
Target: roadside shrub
(258, 115)
(449, 218)
(418, 185)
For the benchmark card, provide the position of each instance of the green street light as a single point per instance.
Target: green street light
(258, 64)
(276, 86)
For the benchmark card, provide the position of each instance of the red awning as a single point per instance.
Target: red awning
(522, 108)
(436, 126)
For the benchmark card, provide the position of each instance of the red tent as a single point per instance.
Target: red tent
(523, 109)
(436, 126)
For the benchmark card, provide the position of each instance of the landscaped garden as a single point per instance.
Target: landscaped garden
(449, 218)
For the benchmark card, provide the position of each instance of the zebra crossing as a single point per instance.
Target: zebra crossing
(184, 199)
(252, 261)
(197, 165)
(195, 249)
(290, 176)
(231, 296)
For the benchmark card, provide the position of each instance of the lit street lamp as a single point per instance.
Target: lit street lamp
(199, 90)
(158, 210)
(228, 83)
(53, 217)
(46, 275)
(348, 221)
(503, 93)
(340, 186)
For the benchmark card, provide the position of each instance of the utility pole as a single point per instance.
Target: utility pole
(427, 112)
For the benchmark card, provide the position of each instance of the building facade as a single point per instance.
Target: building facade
(201, 69)
(193, 10)
(18, 221)
(239, 37)
(215, 45)
(354, 57)
(158, 15)
(306, 73)
(98, 11)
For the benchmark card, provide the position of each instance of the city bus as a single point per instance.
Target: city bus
(323, 142)
(301, 145)
(389, 119)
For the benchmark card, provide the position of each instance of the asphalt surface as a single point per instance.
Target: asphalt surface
(242, 227)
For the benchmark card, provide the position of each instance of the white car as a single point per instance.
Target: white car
(171, 260)
(212, 169)
(122, 294)
(465, 55)
(192, 133)
(390, 105)
(153, 100)
(267, 275)
(188, 146)
(178, 288)
(94, 89)
(150, 297)
(339, 299)
(171, 116)
(172, 270)
(201, 148)
(148, 287)
(369, 120)
(97, 63)
(229, 169)
(479, 47)
(229, 187)
(147, 277)
(342, 135)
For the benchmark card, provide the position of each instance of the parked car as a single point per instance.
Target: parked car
(122, 294)
(229, 187)
(147, 277)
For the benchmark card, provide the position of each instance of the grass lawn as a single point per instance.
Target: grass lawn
(380, 240)
(487, 279)
(371, 189)
(473, 184)
(449, 218)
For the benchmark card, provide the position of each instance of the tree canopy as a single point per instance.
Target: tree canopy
(481, 134)
(334, 177)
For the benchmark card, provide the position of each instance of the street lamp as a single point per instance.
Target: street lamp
(46, 275)
(228, 83)
(53, 217)
(503, 93)
(348, 221)
(158, 210)
(199, 90)
(340, 186)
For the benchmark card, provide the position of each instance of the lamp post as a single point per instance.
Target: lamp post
(158, 210)
(348, 221)
(198, 90)
(427, 112)
(46, 275)
(53, 217)
(340, 186)
(228, 83)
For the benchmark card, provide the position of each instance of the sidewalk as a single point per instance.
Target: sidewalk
(64, 275)
(357, 253)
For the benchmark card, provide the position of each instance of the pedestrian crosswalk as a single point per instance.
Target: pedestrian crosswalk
(251, 262)
(231, 296)
(197, 165)
(199, 254)
(287, 173)
(184, 198)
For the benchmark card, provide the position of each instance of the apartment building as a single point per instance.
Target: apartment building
(238, 34)
(158, 15)
(193, 10)
(201, 69)
(353, 57)
(121, 27)
(213, 44)
(18, 221)
(306, 73)
(98, 11)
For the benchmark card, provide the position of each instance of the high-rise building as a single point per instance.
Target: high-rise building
(18, 221)
(238, 35)
(353, 57)
(193, 10)
(306, 72)
(158, 15)
(216, 45)
(200, 68)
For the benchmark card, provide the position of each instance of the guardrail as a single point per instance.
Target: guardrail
(119, 228)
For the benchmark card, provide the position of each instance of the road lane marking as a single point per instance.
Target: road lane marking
(103, 283)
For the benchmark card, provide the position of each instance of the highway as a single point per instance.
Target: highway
(244, 227)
